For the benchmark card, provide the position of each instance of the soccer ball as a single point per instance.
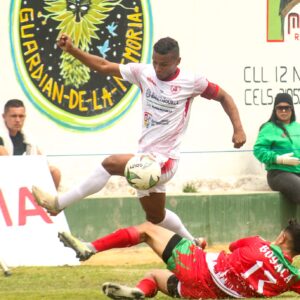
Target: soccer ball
(142, 171)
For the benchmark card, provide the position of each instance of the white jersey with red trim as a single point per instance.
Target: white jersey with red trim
(166, 105)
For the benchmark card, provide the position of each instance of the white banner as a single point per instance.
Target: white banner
(28, 235)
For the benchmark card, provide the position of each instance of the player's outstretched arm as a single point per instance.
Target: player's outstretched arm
(94, 62)
(239, 136)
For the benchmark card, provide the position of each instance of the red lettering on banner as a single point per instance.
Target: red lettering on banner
(4, 210)
(24, 194)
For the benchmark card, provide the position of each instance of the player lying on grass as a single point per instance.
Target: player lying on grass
(253, 268)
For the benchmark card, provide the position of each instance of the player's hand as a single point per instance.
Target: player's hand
(239, 138)
(287, 159)
(64, 42)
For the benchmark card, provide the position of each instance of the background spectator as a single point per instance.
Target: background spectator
(16, 141)
(278, 147)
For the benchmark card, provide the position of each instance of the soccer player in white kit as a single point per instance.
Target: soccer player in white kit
(167, 95)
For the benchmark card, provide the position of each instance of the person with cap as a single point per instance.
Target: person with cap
(278, 147)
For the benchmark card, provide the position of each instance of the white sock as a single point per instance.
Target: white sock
(91, 185)
(173, 223)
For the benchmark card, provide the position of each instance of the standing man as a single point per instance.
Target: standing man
(167, 95)
(16, 141)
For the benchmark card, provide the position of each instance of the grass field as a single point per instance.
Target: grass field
(80, 282)
(73, 283)
(84, 282)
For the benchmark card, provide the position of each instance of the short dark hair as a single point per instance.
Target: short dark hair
(166, 45)
(13, 103)
(293, 228)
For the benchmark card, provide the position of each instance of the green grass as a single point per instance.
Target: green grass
(72, 283)
(61, 283)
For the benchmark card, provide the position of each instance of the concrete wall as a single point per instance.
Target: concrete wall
(220, 218)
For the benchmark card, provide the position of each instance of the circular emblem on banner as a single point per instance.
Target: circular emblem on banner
(59, 85)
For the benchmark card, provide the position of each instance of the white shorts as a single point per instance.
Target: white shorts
(168, 170)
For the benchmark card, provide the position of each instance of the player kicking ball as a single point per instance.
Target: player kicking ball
(167, 94)
(253, 268)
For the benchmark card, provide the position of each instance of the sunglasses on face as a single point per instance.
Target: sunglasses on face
(284, 107)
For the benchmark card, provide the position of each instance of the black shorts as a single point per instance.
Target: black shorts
(172, 286)
(174, 240)
(172, 283)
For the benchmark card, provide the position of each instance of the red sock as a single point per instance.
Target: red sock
(148, 286)
(121, 238)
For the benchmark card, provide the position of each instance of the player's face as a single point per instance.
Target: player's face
(284, 112)
(14, 119)
(165, 65)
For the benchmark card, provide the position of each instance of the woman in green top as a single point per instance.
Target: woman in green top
(278, 147)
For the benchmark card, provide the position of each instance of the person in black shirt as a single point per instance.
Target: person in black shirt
(17, 141)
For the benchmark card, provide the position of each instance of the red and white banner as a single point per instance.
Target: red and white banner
(28, 235)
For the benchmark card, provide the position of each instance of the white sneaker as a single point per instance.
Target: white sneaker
(49, 202)
(83, 251)
(118, 291)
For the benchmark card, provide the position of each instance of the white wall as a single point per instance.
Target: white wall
(218, 37)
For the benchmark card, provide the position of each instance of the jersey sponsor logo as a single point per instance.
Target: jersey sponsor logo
(159, 102)
(150, 122)
(60, 86)
(283, 20)
(175, 89)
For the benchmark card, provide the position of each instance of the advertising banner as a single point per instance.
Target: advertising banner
(28, 235)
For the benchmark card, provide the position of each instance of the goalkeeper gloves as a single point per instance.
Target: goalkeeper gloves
(287, 159)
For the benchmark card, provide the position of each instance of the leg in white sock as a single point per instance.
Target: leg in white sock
(91, 185)
(173, 223)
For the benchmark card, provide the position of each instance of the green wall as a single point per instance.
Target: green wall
(220, 218)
